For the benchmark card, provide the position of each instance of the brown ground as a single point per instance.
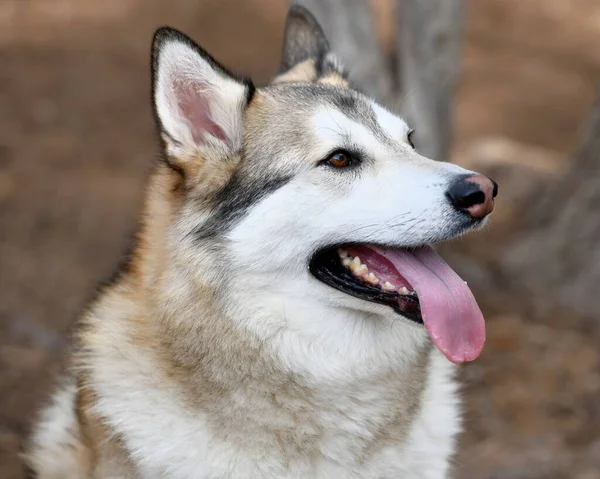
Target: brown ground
(76, 137)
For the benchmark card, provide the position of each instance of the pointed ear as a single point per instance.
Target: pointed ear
(303, 39)
(198, 104)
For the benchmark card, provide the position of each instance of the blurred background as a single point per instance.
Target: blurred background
(77, 141)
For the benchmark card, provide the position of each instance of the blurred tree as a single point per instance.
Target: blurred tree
(430, 34)
(557, 253)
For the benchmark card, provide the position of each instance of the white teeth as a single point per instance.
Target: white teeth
(358, 268)
(362, 270)
(404, 290)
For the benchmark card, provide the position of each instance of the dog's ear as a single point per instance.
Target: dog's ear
(198, 104)
(303, 39)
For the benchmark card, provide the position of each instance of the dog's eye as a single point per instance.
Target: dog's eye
(409, 138)
(339, 159)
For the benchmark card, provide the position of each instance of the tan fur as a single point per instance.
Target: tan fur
(303, 72)
(334, 79)
(306, 72)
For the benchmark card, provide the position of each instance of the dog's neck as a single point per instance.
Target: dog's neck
(262, 339)
(247, 369)
(268, 333)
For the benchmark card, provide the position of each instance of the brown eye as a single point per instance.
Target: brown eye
(339, 159)
(409, 138)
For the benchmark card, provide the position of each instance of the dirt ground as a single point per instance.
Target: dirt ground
(76, 139)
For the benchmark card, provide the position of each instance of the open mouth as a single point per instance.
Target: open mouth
(360, 272)
(417, 284)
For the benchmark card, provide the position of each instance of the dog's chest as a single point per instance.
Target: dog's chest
(332, 425)
(371, 431)
(400, 424)
(340, 435)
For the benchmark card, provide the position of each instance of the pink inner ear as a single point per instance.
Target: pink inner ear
(195, 108)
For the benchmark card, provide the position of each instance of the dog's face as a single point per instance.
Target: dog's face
(314, 192)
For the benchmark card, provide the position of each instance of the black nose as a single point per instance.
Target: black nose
(473, 194)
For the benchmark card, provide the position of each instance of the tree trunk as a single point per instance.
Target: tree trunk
(558, 255)
(429, 41)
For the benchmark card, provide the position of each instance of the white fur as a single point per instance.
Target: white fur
(168, 442)
(394, 126)
(58, 437)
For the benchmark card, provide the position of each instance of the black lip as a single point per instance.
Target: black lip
(327, 268)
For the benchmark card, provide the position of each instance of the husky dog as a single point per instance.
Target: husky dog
(282, 313)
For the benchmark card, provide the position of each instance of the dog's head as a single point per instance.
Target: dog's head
(308, 193)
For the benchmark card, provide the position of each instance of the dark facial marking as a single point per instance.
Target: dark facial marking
(234, 199)
(351, 104)
(346, 103)
(359, 110)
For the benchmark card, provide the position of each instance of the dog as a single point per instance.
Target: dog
(282, 313)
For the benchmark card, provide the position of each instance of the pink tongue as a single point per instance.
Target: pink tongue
(452, 318)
